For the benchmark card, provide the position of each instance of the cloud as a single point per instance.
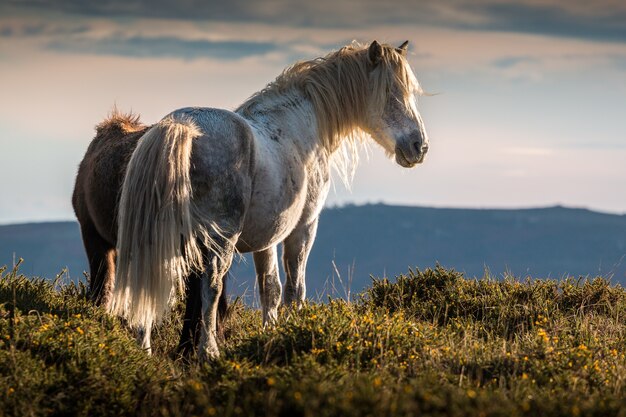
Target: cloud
(516, 57)
(12, 29)
(171, 47)
(603, 20)
(561, 19)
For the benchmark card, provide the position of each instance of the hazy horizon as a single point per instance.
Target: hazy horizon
(351, 204)
(528, 112)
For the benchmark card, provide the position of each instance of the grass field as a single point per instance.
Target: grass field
(428, 343)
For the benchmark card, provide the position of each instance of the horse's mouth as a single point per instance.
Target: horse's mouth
(405, 163)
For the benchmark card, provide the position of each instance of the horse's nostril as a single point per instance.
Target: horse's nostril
(419, 148)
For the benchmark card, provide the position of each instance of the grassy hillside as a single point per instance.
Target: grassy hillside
(429, 343)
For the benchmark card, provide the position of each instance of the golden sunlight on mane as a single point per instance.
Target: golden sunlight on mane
(335, 85)
(343, 87)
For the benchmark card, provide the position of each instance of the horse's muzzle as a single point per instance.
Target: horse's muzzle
(412, 156)
(411, 150)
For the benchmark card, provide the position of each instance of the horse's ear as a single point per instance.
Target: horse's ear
(403, 48)
(375, 53)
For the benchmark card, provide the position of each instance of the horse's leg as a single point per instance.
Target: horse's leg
(193, 309)
(143, 338)
(101, 257)
(215, 268)
(193, 313)
(222, 308)
(266, 265)
(295, 254)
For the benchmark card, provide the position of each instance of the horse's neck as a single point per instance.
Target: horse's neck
(292, 163)
(289, 117)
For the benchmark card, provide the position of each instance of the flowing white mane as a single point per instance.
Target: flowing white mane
(343, 87)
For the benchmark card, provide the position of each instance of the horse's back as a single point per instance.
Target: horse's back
(101, 173)
(227, 130)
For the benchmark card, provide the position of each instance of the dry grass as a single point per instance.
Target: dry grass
(429, 343)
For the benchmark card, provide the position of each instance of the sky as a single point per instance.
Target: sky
(528, 104)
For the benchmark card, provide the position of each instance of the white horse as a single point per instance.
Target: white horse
(204, 183)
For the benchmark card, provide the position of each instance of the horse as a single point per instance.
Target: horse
(164, 208)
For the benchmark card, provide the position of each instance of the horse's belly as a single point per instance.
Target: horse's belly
(266, 226)
(276, 205)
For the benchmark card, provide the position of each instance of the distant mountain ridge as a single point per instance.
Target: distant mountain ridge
(354, 242)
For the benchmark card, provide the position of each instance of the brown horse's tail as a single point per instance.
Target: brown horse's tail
(158, 233)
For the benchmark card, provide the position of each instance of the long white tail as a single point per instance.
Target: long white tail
(156, 241)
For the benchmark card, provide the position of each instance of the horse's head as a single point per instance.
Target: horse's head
(393, 120)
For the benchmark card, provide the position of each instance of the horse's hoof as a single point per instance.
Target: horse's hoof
(208, 354)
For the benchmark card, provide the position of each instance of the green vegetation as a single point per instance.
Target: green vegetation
(429, 343)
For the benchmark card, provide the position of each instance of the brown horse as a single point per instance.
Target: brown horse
(95, 200)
